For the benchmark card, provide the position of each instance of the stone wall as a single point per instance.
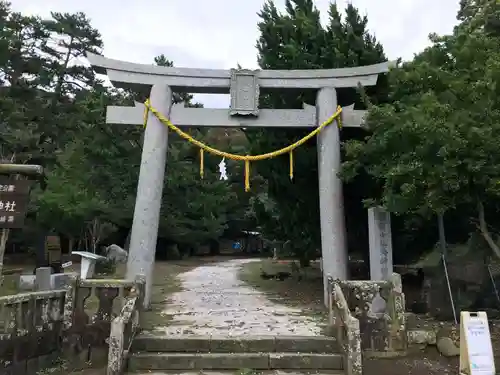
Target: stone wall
(380, 308)
(31, 327)
(124, 328)
(444, 337)
(39, 329)
(345, 328)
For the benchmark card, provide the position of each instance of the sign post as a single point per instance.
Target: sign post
(476, 351)
(14, 198)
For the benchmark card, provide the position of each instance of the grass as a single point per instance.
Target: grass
(165, 283)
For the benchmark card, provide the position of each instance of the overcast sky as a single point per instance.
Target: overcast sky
(222, 33)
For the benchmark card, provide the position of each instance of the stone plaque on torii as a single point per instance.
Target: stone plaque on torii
(244, 87)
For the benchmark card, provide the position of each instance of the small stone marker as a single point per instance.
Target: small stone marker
(42, 279)
(476, 351)
(60, 280)
(380, 237)
(26, 283)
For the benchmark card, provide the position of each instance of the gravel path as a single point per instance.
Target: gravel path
(213, 301)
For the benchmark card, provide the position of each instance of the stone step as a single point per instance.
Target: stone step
(234, 361)
(242, 372)
(251, 344)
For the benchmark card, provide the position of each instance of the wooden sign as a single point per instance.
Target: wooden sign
(13, 186)
(14, 199)
(476, 351)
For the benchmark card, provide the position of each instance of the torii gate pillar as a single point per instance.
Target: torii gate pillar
(144, 233)
(331, 201)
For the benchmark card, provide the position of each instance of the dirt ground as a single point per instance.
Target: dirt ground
(428, 362)
(308, 292)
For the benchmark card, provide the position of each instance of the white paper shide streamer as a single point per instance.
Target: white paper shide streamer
(223, 170)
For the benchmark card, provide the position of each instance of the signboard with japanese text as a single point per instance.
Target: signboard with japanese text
(10, 185)
(476, 351)
(14, 198)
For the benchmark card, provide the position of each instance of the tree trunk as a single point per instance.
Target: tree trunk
(60, 77)
(214, 247)
(483, 227)
(442, 234)
(4, 236)
(65, 243)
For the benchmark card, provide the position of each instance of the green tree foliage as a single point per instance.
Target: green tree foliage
(52, 111)
(434, 147)
(296, 39)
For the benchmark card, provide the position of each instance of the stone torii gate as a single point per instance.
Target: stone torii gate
(244, 87)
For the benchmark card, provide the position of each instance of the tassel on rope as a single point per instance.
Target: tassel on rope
(291, 165)
(146, 113)
(339, 118)
(247, 175)
(202, 163)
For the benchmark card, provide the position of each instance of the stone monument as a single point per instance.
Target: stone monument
(116, 254)
(244, 87)
(380, 237)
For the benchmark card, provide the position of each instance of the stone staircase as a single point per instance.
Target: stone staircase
(153, 354)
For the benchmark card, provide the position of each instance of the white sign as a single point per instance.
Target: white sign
(476, 351)
(67, 264)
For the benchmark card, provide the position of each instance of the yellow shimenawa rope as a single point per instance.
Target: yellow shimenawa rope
(246, 158)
